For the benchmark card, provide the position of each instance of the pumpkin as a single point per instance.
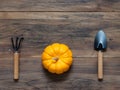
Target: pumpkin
(57, 58)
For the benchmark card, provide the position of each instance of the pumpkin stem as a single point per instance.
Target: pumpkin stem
(55, 58)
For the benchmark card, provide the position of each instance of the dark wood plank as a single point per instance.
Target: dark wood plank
(81, 76)
(77, 30)
(60, 5)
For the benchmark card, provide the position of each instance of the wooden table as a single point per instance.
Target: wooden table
(72, 22)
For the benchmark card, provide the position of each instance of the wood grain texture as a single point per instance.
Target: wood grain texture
(60, 5)
(81, 76)
(77, 30)
(72, 22)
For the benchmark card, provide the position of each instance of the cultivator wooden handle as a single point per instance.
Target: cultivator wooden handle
(16, 66)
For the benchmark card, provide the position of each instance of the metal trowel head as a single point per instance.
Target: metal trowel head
(100, 42)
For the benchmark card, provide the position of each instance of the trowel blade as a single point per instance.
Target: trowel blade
(100, 42)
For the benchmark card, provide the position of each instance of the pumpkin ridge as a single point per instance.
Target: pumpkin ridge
(61, 69)
(50, 47)
(43, 56)
(54, 48)
(65, 52)
(50, 70)
(65, 62)
(48, 54)
(62, 48)
(48, 65)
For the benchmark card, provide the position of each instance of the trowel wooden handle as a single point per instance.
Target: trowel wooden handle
(16, 66)
(100, 65)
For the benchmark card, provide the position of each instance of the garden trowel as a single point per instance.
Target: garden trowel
(100, 44)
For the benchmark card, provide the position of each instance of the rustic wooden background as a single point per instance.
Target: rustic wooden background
(72, 22)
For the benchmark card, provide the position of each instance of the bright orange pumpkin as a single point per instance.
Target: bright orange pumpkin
(57, 58)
